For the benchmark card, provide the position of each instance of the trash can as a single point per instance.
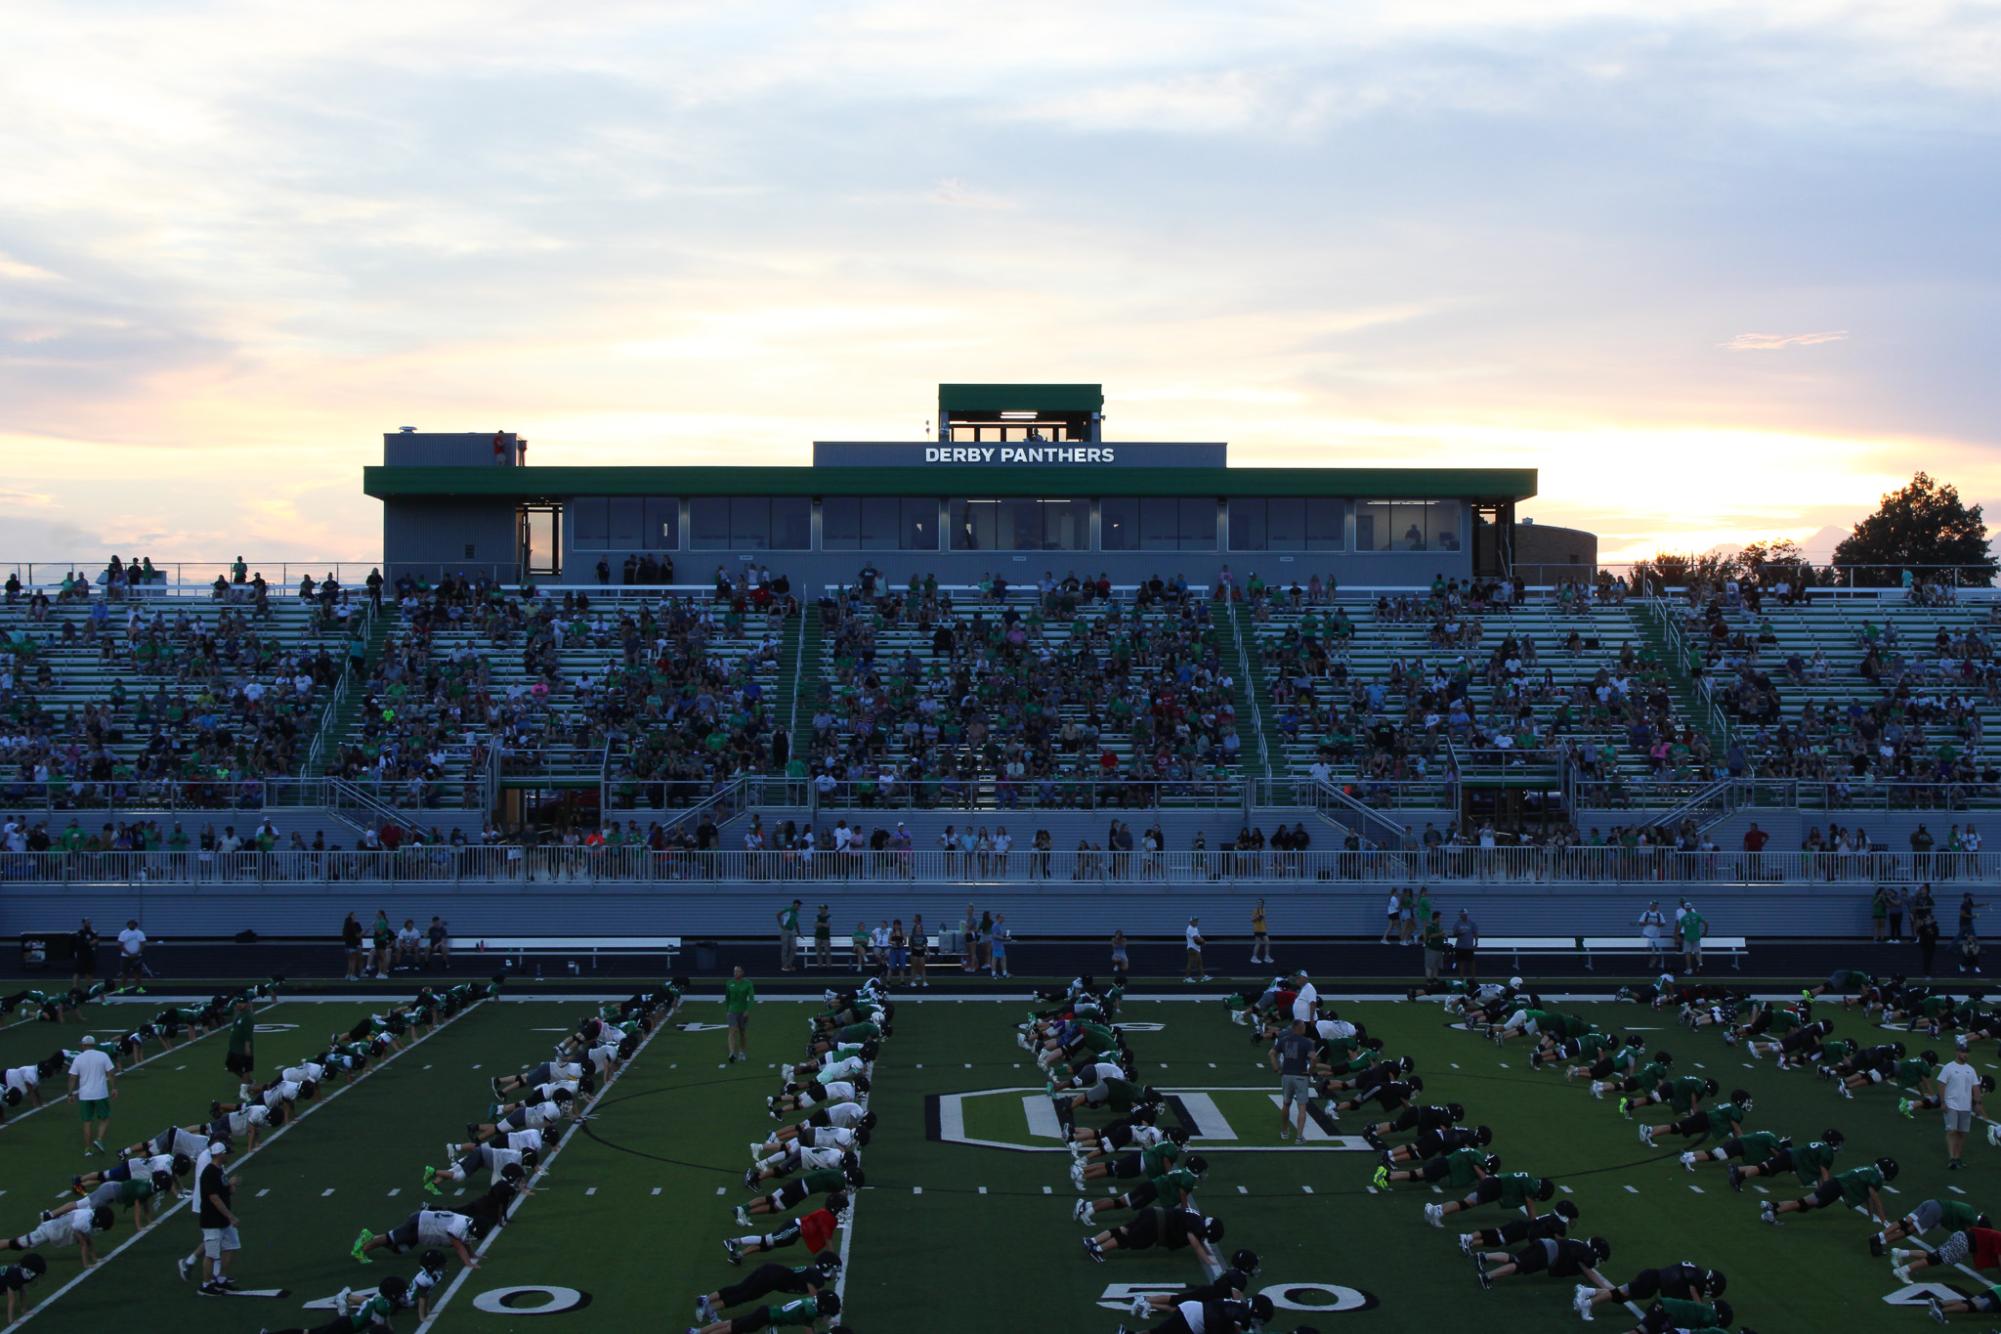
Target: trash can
(705, 956)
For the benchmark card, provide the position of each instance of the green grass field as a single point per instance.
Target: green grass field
(966, 1220)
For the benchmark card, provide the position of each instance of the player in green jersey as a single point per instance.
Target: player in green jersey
(1150, 1161)
(799, 1313)
(1510, 1190)
(1460, 1170)
(1753, 1149)
(1698, 1121)
(1858, 1186)
(805, 1280)
(1953, 1215)
(352, 1313)
(1620, 1059)
(1670, 1315)
(1905, 1071)
(1174, 1187)
(1812, 1162)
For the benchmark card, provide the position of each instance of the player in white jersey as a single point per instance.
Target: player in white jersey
(140, 1168)
(426, 1227)
(848, 1136)
(798, 1156)
(75, 1228)
(21, 1083)
(172, 1140)
(430, 1273)
(523, 1116)
(797, 1099)
(549, 1072)
(497, 1158)
(849, 1115)
(245, 1123)
(307, 1072)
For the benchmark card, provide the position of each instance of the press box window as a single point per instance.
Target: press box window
(1021, 525)
(1157, 524)
(1286, 524)
(626, 523)
(751, 523)
(878, 523)
(1407, 525)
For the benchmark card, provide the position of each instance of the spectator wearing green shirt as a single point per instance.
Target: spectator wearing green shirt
(739, 994)
(788, 937)
(1693, 928)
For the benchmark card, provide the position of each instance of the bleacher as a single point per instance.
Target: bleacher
(169, 686)
(1887, 698)
(1371, 691)
(977, 697)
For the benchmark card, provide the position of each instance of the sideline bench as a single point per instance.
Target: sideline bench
(1733, 948)
(514, 949)
(843, 947)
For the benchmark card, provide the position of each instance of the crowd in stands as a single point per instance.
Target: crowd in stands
(1045, 698)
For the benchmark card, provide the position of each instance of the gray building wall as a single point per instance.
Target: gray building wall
(432, 536)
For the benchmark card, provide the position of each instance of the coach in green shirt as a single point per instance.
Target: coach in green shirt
(241, 1059)
(739, 994)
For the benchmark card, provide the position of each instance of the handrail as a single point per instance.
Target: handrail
(1251, 690)
(1327, 792)
(1658, 870)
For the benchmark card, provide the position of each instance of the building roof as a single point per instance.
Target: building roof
(1048, 482)
(973, 398)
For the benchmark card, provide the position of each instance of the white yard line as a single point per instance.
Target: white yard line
(162, 1215)
(142, 1061)
(548, 1161)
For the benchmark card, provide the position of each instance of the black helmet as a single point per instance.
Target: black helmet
(837, 1200)
(1545, 1189)
(861, 1084)
(1663, 1058)
(827, 1262)
(394, 1287)
(1179, 1134)
(433, 1260)
(1492, 1163)
(1197, 1164)
(183, 1164)
(1455, 1111)
(1714, 1281)
(101, 1218)
(163, 1181)
(1834, 1137)
(1212, 1229)
(868, 1120)
(1888, 1167)
(530, 1158)
(1601, 1248)
(1261, 1307)
(276, 1117)
(1149, 1094)
(561, 1097)
(1742, 1097)
(34, 1264)
(1987, 1083)
(587, 1082)
(1417, 1083)
(1483, 1136)
(828, 1303)
(856, 1178)
(1709, 1088)
(309, 1088)
(1897, 1047)
(1928, 1056)
(13, 1097)
(1726, 1315)
(1566, 1211)
(511, 1174)
(1245, 1261)
(862, 1137)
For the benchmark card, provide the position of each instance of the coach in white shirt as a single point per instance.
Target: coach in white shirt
(1306, 1003)
(93, 1082)
(1960, 1090)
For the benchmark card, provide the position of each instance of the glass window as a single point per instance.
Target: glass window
(1323, 525)
(1247, 525)
(1446, 516)
(841, 523)
(1118, 524)
(709, 516)
(917, 526)
(1285, 525)
(1198, 524)
(1373, 528)
(1020, 525)
(878, 523)
(587, 522)
(1066, 525)
(1407, 525)
(663, 523)
(791, 523)
(628, 523)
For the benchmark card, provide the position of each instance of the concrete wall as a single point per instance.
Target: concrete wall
(433, 536)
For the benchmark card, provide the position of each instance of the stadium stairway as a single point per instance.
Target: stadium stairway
(801, 647)
(336, 726)
(1689, 706)
(1256, 764)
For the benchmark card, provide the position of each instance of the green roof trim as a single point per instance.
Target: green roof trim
(556, 483)
(1021, 398)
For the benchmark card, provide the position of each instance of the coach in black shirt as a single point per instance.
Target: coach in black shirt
(84, 946)
(218, 1220)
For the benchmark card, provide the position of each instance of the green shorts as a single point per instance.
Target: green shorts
(95, 1109)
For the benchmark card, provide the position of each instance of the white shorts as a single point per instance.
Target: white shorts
(216, 1240)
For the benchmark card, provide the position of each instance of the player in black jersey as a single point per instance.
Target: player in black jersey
(1170, 1229)
(1684, 1282)
(1559, 1258)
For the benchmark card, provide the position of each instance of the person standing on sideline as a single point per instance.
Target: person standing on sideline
(1121, 961)
(1466, 948)
(739, 994)
(350, 945)
(1898, 901)
(84, 947)
(1305, 1000)
(1927, 940)
(241, 1058)
(1001, 936)
(132, 955)
(1193, 971)
(93, 1082)
(1434, 947)
(1652, 923)
(1391, 915)
(1291, 1055)
(1960, 1096)
(1260, 937)
(1693, 929)
(214, 1192)
(823, 938)
(788, 937)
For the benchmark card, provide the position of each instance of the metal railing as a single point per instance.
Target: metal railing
(988, 793)
(447, 864)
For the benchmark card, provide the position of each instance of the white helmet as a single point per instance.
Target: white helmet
(1515, 982)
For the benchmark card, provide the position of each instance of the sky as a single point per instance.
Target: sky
(1721, 272)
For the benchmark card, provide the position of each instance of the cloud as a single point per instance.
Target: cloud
(1765, 342)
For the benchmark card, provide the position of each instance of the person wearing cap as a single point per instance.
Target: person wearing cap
(93, 1083)
(213, 1193)
(788, 936)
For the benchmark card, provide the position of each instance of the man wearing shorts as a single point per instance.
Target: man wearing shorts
(131, 954)
(213, 1193)
(93, 1082)
(788, 937)
(1291, 1054)
(1959, 1092)
(1193, 971)
(739, 994)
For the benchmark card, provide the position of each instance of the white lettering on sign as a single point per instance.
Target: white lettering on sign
(1020, 454)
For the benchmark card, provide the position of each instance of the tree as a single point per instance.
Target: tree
(1671, 571)
(1765, 563)
(1924, 528)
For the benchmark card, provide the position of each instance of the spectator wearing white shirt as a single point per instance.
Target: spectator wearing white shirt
(1192, 938)
(1306, 1001)
(93, 1083)
(1652, 923)
(131, 954)
(1960, 1093)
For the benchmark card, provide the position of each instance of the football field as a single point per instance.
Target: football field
(965, 1221)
